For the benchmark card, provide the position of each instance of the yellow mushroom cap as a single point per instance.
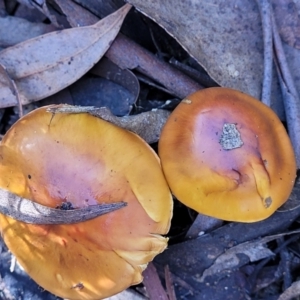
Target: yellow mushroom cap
(227, 155)
(54, 158)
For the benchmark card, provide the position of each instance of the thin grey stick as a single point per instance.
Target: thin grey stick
(31, 212)
(291, 103)
(266, 19)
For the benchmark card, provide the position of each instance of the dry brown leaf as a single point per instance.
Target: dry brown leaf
(225, 37)
(255, 250)
(45, 65)
(15, 30)
(203, 224)
(292, 292)
(147, 125)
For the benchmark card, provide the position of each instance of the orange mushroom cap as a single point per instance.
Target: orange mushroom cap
(227, 155)
(54, 158)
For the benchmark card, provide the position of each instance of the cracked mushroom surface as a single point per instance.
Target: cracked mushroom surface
(227, 155)
(74, 160)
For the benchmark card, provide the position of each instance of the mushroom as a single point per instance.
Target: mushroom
(227, 155)
(72, 161)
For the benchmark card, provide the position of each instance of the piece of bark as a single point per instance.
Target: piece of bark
(153, 284)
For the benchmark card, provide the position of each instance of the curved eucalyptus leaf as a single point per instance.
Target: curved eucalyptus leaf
(48, 63)
(147, 125)
(27, 211)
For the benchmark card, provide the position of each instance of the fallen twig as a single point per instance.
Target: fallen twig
(285, 265)
(147, 63)
(290, 95)
(169, 284)
(201, 77)
(153, 284)
(265, 12)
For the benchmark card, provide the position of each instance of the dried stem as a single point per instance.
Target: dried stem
(27, 211)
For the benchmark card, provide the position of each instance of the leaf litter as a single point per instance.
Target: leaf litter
(37, 64)
(201, 27)
(254, 250)
(219, 59)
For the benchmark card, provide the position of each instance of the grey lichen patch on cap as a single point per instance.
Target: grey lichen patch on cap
(230, 137)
